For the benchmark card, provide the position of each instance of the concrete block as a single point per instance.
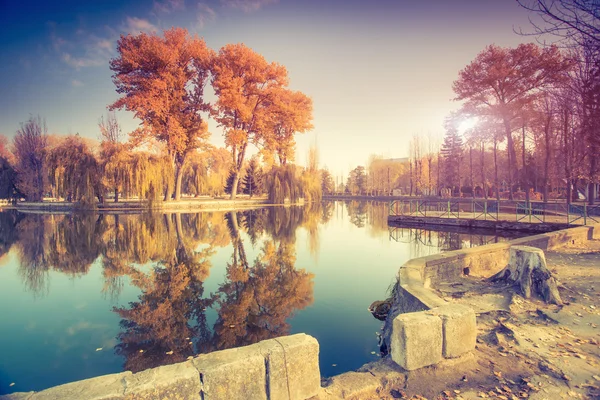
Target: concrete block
(459, 329)
(237, 373)
(106, 387)
(292, 366)
(17, 396)
(176, 381)
(416, 340)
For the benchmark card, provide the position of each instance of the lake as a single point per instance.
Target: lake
(89, 294)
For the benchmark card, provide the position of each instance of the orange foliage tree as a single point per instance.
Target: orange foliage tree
(162, 79)
(499, 82)
(254, 105)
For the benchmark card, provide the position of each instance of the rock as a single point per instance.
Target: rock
(380, 309)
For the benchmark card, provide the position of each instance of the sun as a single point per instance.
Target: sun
(467, 124)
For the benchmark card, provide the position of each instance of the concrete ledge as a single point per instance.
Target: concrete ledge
(280, 368)
(415, 303)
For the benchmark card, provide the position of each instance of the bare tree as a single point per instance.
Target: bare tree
(110, 128)
(30, 144)
(573, 20)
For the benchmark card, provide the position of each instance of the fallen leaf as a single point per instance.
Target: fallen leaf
(169, 352)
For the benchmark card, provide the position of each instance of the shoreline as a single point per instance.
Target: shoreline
(138, 207)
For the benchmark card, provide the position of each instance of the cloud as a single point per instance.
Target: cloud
(96, 52)
(168, 6)
(76, 83)
(247, 5)
(205, 15)
(135, 25)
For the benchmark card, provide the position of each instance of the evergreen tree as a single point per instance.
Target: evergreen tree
(229, 183)
(451, 153)
(252, 182)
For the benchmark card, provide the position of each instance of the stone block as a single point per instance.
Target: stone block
(237, 373)
(416, 340)
(106, 387)
(176, 381)
(459, 329)
(292, 366)
(17, 396)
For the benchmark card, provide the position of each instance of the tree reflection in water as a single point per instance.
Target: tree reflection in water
(168, 257)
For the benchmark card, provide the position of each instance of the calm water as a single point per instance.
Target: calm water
(85, 295)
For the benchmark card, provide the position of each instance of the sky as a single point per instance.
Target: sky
(378, 71)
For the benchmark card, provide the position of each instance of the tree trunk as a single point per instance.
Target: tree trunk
(234, 185)
(512, 156)
(178, 178)
(524, 171)
(496, 183)
(527, 268)
(546, 156)
(482, 161)
(116, 195)
(471, 171)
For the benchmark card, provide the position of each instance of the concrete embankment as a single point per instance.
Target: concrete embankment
(186, 205)
(422, 329)
(281, 368)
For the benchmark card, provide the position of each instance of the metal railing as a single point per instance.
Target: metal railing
(493, 210)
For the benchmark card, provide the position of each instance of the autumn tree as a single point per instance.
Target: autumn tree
(254, 105)
(162, 79)
(501, 81)
(4, 151)
(327, 183)
(290, 113)
(357, 180)
(30, 146)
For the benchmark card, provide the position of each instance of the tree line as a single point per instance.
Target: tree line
(529, 123)
(162, 81)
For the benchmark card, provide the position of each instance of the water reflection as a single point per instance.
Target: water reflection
(168, 257)
(155, 269)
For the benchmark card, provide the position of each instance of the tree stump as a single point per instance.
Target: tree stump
(527, 268)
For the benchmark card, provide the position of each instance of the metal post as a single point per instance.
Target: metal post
(484, 210)
(585, 213)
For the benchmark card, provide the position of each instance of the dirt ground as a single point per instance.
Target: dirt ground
(526, 349)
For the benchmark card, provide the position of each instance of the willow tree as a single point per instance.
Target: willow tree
(162, 79)
(114, 154)
(499, 82)
(251, 93)
(73, 171)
